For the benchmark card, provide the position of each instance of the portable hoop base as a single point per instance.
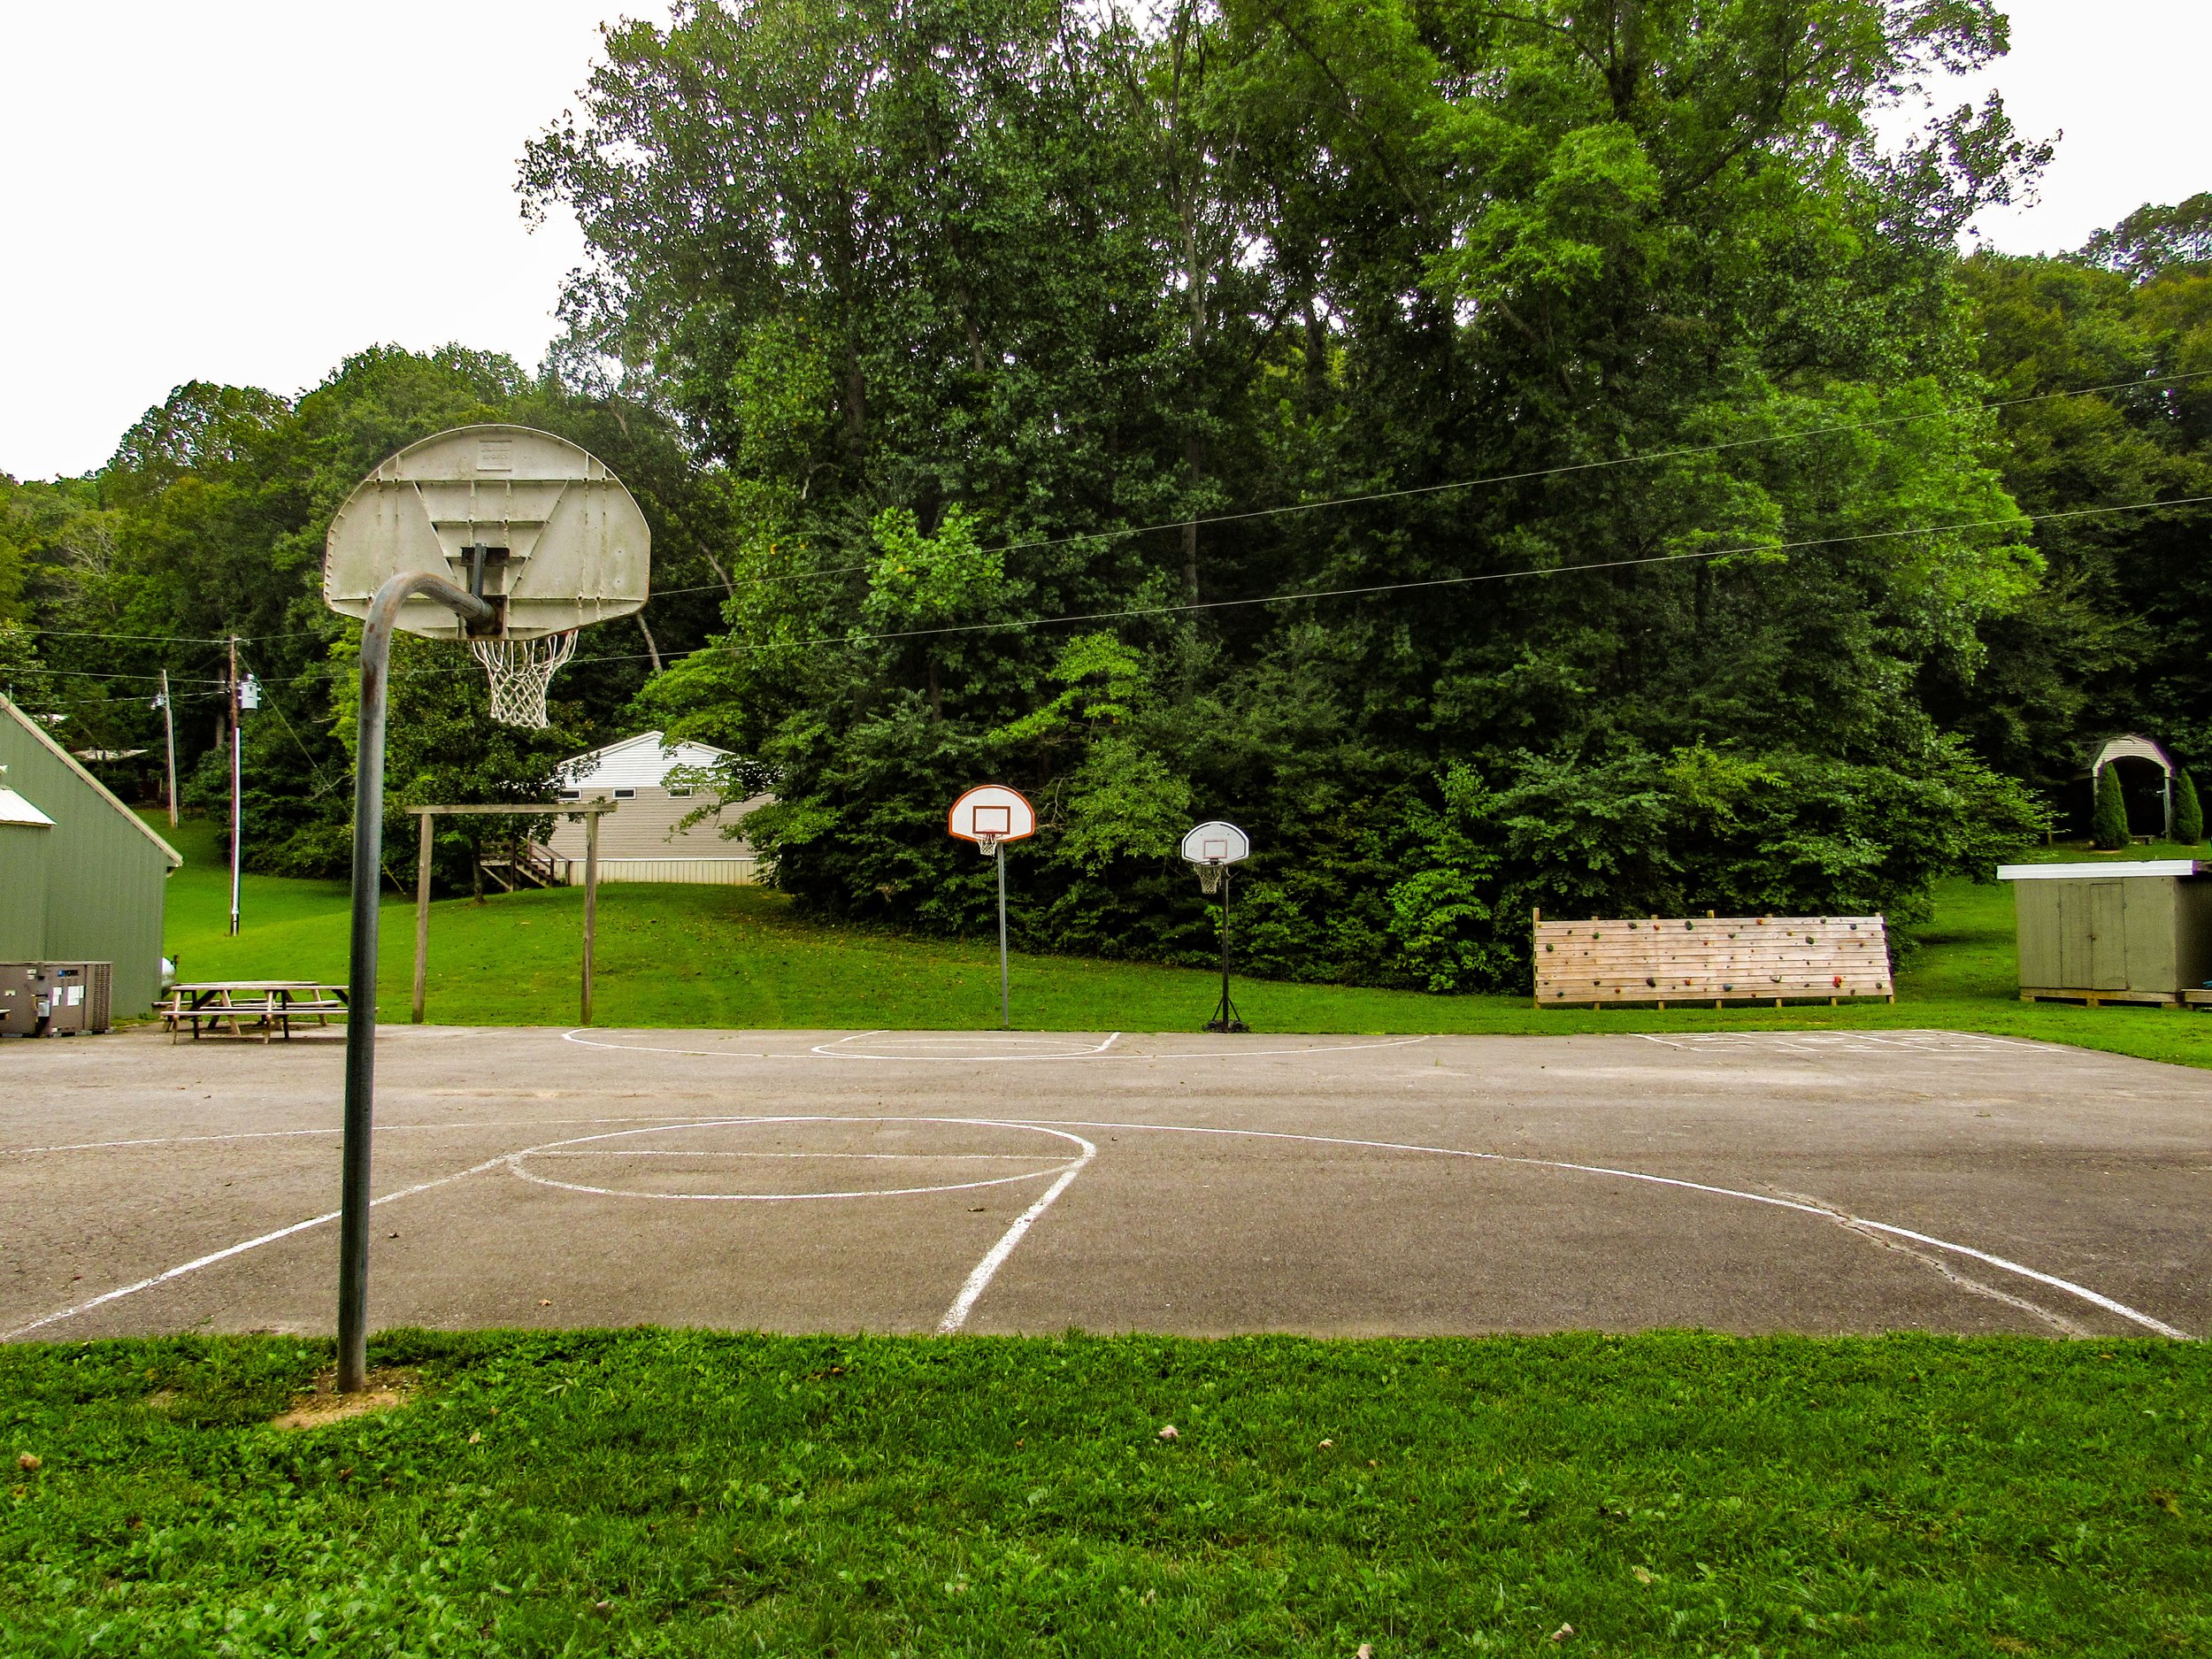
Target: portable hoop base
(520, 670)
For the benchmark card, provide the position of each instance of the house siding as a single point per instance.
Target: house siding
(645, 827)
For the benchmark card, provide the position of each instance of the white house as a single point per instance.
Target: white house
(644, 839)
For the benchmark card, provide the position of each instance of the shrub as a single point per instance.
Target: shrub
(2188, 813)
(2108, 824)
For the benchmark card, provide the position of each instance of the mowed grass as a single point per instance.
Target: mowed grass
(671, 1492)
(736, 957)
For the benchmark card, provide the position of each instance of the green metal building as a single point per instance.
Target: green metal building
(81, 875)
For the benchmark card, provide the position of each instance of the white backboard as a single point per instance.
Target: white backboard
(1215, 843)
(571, 546)
(992, 811)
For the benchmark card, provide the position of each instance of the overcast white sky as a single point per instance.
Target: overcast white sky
(245, 191)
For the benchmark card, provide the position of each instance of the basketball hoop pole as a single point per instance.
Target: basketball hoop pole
(368, 863)
(1005, 995)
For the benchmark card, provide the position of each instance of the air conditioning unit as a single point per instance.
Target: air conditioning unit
(53, 999)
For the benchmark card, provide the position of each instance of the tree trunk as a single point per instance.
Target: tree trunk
(1194, 468)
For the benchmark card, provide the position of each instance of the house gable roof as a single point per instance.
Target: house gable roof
(635, 763)
(175, 858)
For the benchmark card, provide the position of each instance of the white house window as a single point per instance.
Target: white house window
(625, 794)
(572, 795)
(678, 794)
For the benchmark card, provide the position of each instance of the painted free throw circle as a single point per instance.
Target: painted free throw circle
(787, 1160)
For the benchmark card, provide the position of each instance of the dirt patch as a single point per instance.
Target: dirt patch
(389, 1386)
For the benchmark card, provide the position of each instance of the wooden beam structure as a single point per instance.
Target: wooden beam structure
(590, 812)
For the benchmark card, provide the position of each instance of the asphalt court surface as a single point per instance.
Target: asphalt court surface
(1818, 1182)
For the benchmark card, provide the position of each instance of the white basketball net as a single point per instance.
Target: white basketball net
(1209, 877)
(986, 843)
(520, 670)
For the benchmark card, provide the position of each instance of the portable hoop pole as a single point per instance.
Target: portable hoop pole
(368, 863)
(1225, 1017)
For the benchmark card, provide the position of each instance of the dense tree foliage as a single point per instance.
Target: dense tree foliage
(966, 296)
(1545, 454)
(2118, 636)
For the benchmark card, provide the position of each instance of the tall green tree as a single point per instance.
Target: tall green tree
(2101, 357)
(978, 304)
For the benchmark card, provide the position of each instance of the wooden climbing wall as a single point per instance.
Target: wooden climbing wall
(1709, 959)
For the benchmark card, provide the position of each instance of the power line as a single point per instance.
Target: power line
(1525, 476)
(1439, 581)
(1365, 591)
(1582, 466)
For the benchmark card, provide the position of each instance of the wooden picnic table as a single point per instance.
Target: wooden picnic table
(271, 1005)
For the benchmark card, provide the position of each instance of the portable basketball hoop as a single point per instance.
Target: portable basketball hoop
(991, 815)
(511, 540)
(1212, 848)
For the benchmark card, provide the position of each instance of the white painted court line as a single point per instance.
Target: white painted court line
(278, 1134)
(1940, 1042)
(515, 1160)
(1110, 1049)
(210, 1259)
(1023, 1047)
(581, 1040)
(987, 1270)
(2094, 1298)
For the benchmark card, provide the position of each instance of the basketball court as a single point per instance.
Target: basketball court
(1205, 1184)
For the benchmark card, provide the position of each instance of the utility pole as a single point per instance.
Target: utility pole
(169, 737)
(237, 746)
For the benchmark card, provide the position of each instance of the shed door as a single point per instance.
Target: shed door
(2107, 937)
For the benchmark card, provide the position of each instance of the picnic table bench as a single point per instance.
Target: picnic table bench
(269, 1006)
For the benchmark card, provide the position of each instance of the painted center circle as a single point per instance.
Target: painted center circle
(768, 1160)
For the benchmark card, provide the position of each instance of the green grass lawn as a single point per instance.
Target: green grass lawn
(737, 957)
(672, 1493)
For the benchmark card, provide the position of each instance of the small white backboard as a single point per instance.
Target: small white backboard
(1215, 843)
(991, 813)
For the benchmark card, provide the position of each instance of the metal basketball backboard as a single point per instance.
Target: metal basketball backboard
(560, 543)
(992, 812)
(1217, 843)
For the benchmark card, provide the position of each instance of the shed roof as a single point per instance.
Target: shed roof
(2099, 873)
(8, 709)
(635, 763)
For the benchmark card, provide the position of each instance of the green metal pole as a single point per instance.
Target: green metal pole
(368, 859)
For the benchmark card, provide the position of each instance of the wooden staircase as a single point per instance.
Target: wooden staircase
(530, 865)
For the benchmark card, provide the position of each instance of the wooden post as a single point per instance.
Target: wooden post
(422, 918)
(1535, 921)
(591, 904)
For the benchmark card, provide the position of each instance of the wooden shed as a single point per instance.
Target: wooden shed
(82, 876)
(2112, 933)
